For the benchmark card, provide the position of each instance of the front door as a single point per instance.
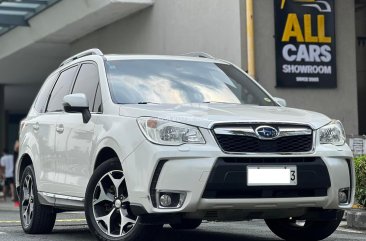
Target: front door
(73, 149)
(75, 139)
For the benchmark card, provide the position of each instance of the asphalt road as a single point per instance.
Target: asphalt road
(72, 226)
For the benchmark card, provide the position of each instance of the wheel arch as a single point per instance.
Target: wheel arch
(24, 161)
(103, 155)
(107, 148)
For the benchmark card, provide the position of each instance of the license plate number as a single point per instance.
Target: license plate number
(272, 176)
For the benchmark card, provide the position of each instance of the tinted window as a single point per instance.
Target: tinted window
(180, 82)
(87, 82)
(61, 89)
(98, 107)
(44, 93)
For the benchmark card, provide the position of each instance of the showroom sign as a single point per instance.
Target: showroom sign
(305, 43)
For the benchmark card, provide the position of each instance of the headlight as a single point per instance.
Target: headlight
(169, 133)
(332, 133)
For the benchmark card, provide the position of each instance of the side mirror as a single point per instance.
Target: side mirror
(280, 101)
(77, 103)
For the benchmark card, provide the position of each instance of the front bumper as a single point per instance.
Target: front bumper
(153, 168)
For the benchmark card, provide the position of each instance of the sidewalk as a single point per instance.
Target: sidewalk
(8, 205)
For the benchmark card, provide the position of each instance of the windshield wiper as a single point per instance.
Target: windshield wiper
(219, 102)
(146, 102)
(140, 103)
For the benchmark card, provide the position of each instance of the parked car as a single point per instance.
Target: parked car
(141, 141)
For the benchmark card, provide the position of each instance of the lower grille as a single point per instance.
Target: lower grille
(264, 160)
(229, 176)
(279, 192)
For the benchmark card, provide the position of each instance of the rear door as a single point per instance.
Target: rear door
(45, 126)
(41, 125)
(75, 143)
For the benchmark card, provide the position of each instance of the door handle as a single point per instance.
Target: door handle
(36, 126)
(60, 129)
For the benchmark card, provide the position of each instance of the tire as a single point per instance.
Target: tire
(310, 231)
(35, 218)
(101, 209)
(188, 224)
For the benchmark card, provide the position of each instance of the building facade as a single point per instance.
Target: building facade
(174, 27)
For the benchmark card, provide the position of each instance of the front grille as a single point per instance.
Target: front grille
(234, 143)
(228, 179)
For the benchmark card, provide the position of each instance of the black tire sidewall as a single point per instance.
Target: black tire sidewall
(316, 230)
(28, 171)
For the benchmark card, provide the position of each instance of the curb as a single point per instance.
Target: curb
(356, 219)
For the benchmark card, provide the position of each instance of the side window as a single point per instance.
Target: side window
(44, 93)
(61, 89)
(98, 107)
(87, 82)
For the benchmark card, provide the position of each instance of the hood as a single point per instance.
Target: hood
(206, 115)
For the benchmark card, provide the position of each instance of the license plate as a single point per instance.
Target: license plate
(272, 176)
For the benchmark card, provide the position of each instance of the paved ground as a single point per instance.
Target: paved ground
(72, 226)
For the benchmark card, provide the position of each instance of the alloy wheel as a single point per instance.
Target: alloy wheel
(28, 200)
(111, 206)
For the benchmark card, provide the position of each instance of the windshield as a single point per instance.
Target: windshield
(181, 82)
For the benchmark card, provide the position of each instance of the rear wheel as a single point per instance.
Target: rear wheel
(306, 230)
(107, 207)
(35, 218)
(187, 224)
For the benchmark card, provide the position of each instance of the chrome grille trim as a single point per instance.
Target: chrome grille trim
(249, 131)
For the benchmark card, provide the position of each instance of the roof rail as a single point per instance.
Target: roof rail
(82, 54)
(199, 55)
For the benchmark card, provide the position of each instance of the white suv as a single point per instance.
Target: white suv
(142, 141)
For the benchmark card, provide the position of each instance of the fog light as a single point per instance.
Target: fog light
(343, 196)
(170, 199)
(165, 200)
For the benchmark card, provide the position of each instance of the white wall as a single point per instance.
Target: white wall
(173, 27)
(339, 103)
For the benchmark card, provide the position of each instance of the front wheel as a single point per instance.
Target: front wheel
(107, 207)
(306, 230)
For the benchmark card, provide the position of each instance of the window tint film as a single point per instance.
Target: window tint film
(98, 107)
(61, 89)
(87, 82)
(44, 93)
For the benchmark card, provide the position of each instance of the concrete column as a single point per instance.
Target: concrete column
(243, 32)
(3, 118)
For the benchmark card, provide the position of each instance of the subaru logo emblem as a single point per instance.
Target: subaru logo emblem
(266, 132)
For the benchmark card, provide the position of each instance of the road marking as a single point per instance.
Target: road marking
(71, 220)
(9, 221)
(346, 230)
(60, 221)
(2, 233)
